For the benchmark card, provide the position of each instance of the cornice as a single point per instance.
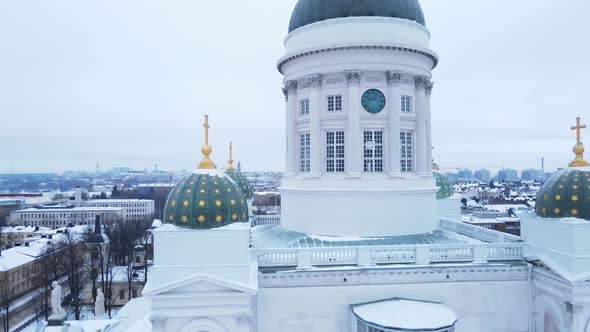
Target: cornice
(294, 56)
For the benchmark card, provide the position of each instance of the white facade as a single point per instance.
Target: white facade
(63, 216)
(328, 67)
(135, 209)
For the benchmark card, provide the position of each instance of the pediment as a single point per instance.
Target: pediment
(201, 283)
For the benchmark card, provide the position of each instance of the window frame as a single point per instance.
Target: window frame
(335, 151)
(334, 103)
(304, 107)
(374, 163)
(407, 151)
(305, 152)
(407, 104)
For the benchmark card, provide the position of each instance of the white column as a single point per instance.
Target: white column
(290, 91)
(315, 109)
(395, 110)
(420, 109)
(354, 149)
(428, 127)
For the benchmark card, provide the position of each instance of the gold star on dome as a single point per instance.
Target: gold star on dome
(564, 179)
(173, 202)
(557, 210)
(232, 202)
(177, 190)
(242, 201)
(574, 212)
(188, 191)
(234, 216)
(217, 191)
(575, 198)
(171, 217)
(575, 187)
(546, 196)
(201, 203)
(184, 219)
(185, 203)
(215, 182)
(218, 218)
(202, 191)
(192, 183)
(201, 218)
(558, 197)
(544, 210)
(203, 183)
(217, 203)
(561, 186)
(575, 180)
(229, 190)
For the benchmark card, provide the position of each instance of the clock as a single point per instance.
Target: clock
(373, 101)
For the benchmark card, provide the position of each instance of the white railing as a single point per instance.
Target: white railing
(480, 233)
(266, 220)
(369, 256)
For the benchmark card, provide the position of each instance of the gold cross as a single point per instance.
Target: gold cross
(579, 147)
(206, 125)
(206, 149)
(578, 128)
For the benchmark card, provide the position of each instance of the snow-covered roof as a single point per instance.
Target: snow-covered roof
(274, 236)
(406, 314)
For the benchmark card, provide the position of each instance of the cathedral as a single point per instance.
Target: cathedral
(370, 237)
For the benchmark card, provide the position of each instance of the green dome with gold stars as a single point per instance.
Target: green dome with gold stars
(565, 194)
(206, 199)
(445, 189)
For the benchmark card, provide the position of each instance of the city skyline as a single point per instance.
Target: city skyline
(132, 92)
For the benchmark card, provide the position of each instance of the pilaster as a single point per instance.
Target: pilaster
(422, 166)
(315, 109)
(428, 116)
(290, 90)
(395, 105)
(354, 149)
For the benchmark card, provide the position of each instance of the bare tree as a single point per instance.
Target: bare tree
(6, 298)
(70, 261)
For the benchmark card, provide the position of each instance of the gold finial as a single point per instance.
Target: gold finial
(206, 149)
(579, 147)
(230, 167)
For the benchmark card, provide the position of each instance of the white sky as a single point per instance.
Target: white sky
(126, 82)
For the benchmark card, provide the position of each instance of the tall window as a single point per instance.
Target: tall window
(335, 151)
(334, 103)
(304, 153)
(373, 140)
(304, 107)
(407, 151)
(406, 104)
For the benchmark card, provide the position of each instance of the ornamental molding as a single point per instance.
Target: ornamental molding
(289, 87)
(405, 275)
(158, 322)
(422, 82)
(429, 88)
(353, 77)
(393, 78)
(315, 81)
(288, 58)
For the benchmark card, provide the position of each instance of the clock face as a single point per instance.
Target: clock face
(373, 101)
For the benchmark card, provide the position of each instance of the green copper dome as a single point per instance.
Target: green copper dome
(204, 200)
(311, 11)
(565, 194)
(445, 189)
(242, 182)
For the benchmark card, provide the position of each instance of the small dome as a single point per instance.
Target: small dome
(565, 194)
(311, 11)
(445, 189)
(204, 200)
(242, 182)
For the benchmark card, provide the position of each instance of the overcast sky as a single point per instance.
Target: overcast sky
(126, 82)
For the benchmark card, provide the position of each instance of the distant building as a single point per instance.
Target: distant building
(465, 175)
(134, 209)
(12, 235)
(63, 215)
(483, 175)
(532, 174)
(7, 206)
(507, 174)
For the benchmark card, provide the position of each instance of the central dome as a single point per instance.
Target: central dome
(310, 11)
